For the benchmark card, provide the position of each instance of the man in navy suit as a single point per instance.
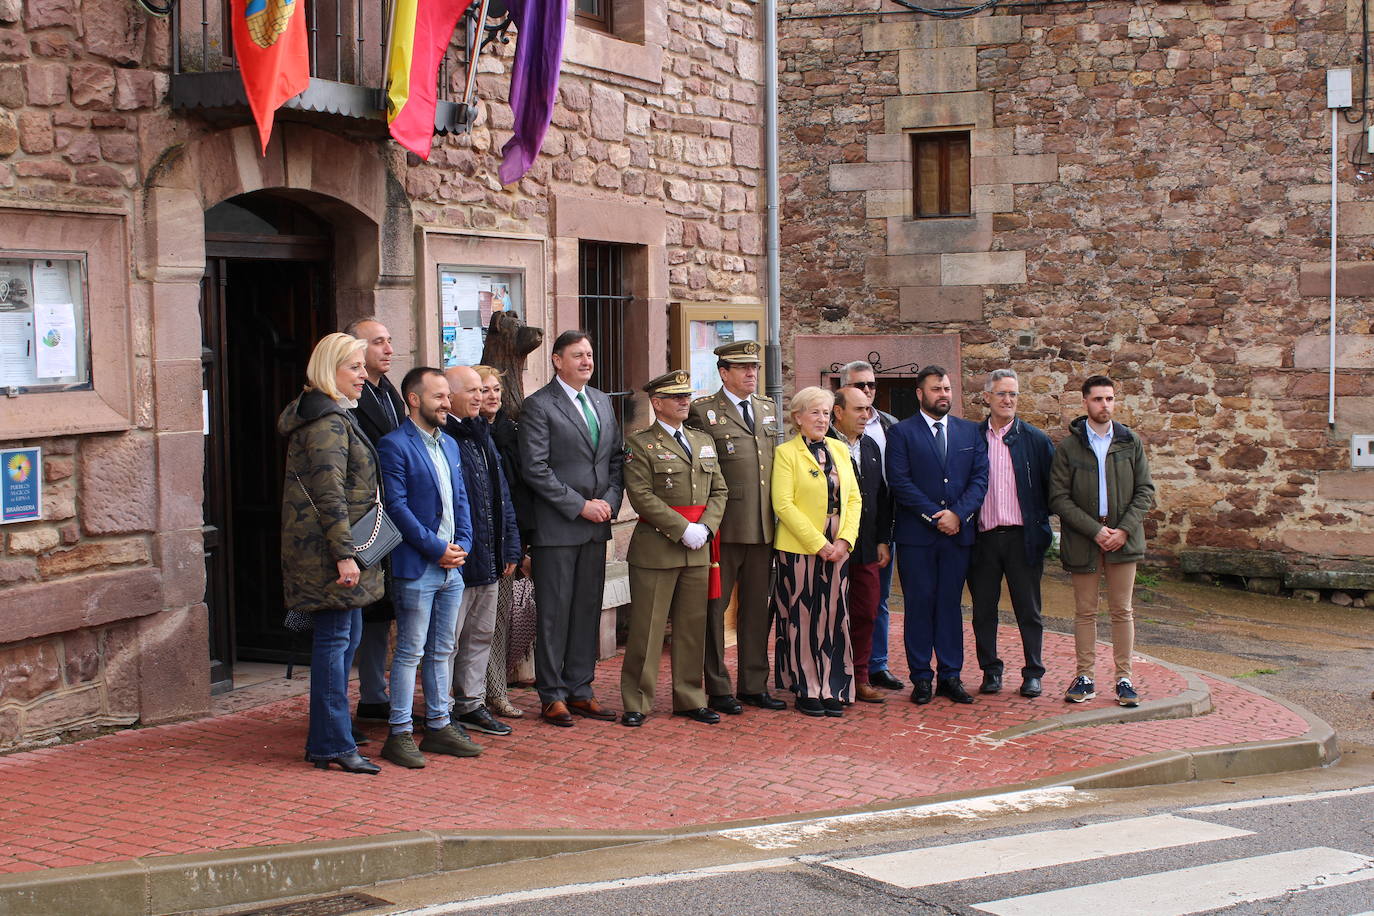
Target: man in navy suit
(937, 471)
(422, 477)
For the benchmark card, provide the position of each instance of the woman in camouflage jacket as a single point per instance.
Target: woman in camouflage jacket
(331, 482)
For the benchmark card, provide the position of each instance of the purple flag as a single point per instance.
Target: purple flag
(533, 81)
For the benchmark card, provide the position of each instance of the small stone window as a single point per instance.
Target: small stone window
(940, 180)
(594, 14)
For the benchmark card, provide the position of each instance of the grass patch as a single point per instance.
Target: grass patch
(1145, 579)
(1256, 672)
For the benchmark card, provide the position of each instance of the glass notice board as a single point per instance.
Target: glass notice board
(698, 328)
(468, 296)
(44, 343)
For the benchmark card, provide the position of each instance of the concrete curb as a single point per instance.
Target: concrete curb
(174, 884)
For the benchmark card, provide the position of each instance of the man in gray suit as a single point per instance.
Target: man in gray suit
(573, 461)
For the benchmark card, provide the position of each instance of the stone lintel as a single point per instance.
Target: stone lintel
(942, 109)
(939, 236)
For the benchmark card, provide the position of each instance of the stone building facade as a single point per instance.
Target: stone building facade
(207, 271)
(1148, 197)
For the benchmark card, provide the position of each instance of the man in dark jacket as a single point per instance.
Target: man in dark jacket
(494, 554)
(872, 551)
(1100, 488)
(1013, 533)
(379, 411)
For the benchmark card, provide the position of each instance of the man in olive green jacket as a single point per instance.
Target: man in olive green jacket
(1100, 488)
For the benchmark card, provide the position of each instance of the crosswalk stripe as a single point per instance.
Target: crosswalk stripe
(1198, 889)
(1042, 849)
(1280, 800)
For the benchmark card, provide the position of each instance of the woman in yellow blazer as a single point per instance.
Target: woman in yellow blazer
(816, 499)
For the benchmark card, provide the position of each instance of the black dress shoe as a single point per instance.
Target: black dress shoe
(1030, 687)
(953, 689)
(349, 763)
(808, 706)
(992, 683)
(726, 704)
(374, 712)
(763, 700)
(885, 680)
(832, 708)
(921, 692)
(632, 719)
(699, 715)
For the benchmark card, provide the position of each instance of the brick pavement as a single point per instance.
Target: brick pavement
(238, 780)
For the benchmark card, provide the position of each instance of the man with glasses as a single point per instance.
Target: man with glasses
(860, 374)
(1013, 533)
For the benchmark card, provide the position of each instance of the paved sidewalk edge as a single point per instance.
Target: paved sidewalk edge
(173, 884)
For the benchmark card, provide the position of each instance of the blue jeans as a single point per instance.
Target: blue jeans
(877, 661)
(428, 613)
(331, 656)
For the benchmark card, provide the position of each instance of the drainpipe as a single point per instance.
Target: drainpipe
(1338, 96)
(773, 349)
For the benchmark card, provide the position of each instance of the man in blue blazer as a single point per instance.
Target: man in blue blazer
(422, 478)
(937, 471)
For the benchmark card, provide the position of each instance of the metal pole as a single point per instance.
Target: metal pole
(473, 51)
(1331, 379)
(773, 351)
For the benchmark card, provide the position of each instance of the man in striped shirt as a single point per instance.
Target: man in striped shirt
(1013, 533)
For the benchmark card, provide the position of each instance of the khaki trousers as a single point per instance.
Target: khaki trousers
(1120, 581)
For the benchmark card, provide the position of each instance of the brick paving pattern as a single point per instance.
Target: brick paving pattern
(239, 780)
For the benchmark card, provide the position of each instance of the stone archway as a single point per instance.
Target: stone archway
(346, 182)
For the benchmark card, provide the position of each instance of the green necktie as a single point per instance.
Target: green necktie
(590, 414)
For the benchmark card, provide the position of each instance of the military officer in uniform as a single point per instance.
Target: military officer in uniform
(673, 479)
(744, 426)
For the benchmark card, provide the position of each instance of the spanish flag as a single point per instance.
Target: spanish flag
(420, 32)
(269, 42)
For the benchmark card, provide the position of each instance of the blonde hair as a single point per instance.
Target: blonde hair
(808, 398)
(486, 371)
(329, 354)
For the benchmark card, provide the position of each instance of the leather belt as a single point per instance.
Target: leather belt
(1001, 528)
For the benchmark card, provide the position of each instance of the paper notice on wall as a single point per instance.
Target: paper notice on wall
(50, 285)
(54, 336)
(17, 364)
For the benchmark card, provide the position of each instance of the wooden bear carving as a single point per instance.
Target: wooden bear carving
(509, 342)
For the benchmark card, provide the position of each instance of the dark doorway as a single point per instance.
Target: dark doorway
(265, 301)
(896, 394)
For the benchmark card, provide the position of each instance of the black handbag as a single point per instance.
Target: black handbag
(374, 535)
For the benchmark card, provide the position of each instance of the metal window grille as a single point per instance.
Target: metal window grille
(604, 305)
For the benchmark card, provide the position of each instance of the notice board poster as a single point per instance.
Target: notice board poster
(703, 338)
(21, 485)
(42, 323)
(468, 297)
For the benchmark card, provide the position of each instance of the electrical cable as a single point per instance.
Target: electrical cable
(153, 8)
(1363, 112)
(953, 12)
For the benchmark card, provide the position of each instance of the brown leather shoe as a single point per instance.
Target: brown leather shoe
(869, 694)
(591, 709)
(557, 713)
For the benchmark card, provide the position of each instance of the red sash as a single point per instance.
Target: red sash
(693, 514)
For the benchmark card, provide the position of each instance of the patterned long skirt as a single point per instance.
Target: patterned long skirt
(813, 656)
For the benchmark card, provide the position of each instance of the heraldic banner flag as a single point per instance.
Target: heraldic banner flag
(540, 25)
(269, 42)
(420, 32)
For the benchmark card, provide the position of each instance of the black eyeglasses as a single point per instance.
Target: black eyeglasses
(873, 385)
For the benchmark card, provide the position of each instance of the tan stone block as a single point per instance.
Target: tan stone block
(1353, 278)
(176, 231)
(29, 671)
(903, 270)
(1354, 415)
(898, 36)
(94, 555)
(1329, 542)
(1356, 218)
(180, 483)
(181, 558)
(1033, 169)
(610, 220)
(980, 268)
(867, 176)
(64, 710)
(941, 303)
(882, 204)
(169, 688)
(1353, 351)
(993, 142)
(1312, 193)
(993, 198)
(945, 109)
(177, 389)
(889, 148)
(117, 486)
(995, 30)
(937, 70)
(173, 336)
(34, 540)
(1354, 484)
(938, 236)
(1270, 355)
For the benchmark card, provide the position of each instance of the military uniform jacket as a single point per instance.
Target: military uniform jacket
(746, 460)
(657, 477)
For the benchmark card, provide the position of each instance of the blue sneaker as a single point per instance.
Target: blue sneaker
(1081, 690)
(1125, 694)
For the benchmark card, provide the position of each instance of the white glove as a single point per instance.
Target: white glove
(695, 536)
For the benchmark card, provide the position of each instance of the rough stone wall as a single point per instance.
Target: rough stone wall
(1160, 171)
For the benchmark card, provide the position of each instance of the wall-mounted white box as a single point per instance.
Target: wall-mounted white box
(1362, 452)
(1338, 88)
